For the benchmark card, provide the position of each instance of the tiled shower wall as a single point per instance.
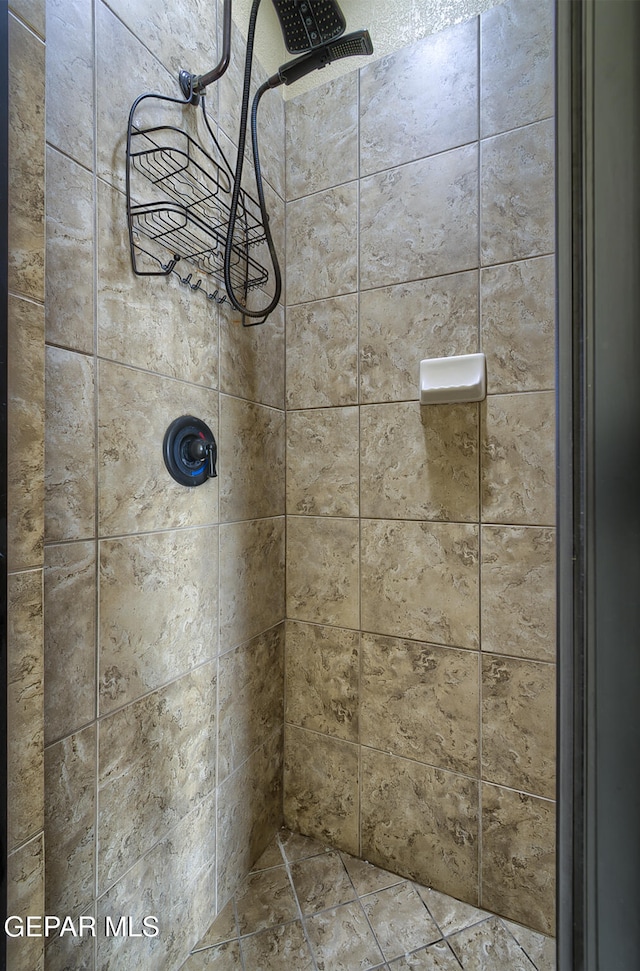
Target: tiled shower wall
(420, 659)
(164, 636)
(25, 776)
(164, 605)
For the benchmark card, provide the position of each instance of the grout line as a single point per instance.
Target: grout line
(359, 809)
(480, 424)
(298, 907)
(285, 405)
(96, 508)
(375, 936)
(237, 926)
(475, 920)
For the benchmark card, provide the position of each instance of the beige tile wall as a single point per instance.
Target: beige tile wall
(25, 662)
(419, 547)
(420, 674)
(164, 606)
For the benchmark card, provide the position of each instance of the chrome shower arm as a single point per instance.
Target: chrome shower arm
(192, 85)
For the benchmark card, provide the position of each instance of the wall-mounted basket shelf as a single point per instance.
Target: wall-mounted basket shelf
(178, 205)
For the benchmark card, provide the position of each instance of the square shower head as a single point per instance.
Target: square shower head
(306, 24)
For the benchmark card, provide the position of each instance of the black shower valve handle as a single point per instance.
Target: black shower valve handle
(199, 450)
(189, 450)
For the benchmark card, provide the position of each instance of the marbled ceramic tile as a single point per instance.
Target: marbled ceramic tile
(322, 237)
(272, 856)
(151, 322)
(252, 358)
(420, 580)
(174, 882)
(321, 788)
(420, 100)
(222, 957)
(204, 885)
(263, 265)
(69, 269)
(224, 928)
(540, 950)
(70, 93)
(162, 745)
(25, 704)
(69, 638)
(125, 68)
(517, 325)
(517, 194)
(250, 697)
(259, 298)
(368, 878)
(251, 451)
(517, 65)
(488, 946)
(170, 33)
(32, 12)
(26, 162)
(518, 857)
(158, 610)
(400, 920)
(322, 676)
(66, 952)
(517, 572)
(420, 701)
(70, 786)
(25, 895)
(517, 434)
(436, 957)
(518, 724)
(342, 940)
(420, 219)
(421, 822)
(297, 847)
(249, 814)
(271, 139)
(451, 915)
(322, 137)
(69, 446)
(321, 882)
(322, 462)
(262, 268)
(25, 420)
(322, 587)
(251, 579)
(135, 490)
(230, 84)
(400, 325)
(278, 949)
(322, 353)
(265, 899)
(419, 463)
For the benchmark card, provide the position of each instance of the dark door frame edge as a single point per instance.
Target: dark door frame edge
(598, 435)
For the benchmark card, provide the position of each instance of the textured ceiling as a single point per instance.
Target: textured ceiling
(392, 24)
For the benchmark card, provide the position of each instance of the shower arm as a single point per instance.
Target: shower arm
(192, 85)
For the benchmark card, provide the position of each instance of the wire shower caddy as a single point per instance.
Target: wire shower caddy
(178, 207)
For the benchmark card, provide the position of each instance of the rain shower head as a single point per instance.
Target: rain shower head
(359, 42)
(306, 24)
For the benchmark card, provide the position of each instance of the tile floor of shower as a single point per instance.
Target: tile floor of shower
(308, 907)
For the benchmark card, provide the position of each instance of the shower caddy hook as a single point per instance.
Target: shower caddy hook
(184, 204)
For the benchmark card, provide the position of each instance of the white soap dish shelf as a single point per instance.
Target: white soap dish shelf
(448, 379)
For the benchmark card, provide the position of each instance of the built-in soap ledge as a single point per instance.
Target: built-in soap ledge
(449, 379)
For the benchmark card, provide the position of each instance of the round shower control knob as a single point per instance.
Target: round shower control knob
(189, 450)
